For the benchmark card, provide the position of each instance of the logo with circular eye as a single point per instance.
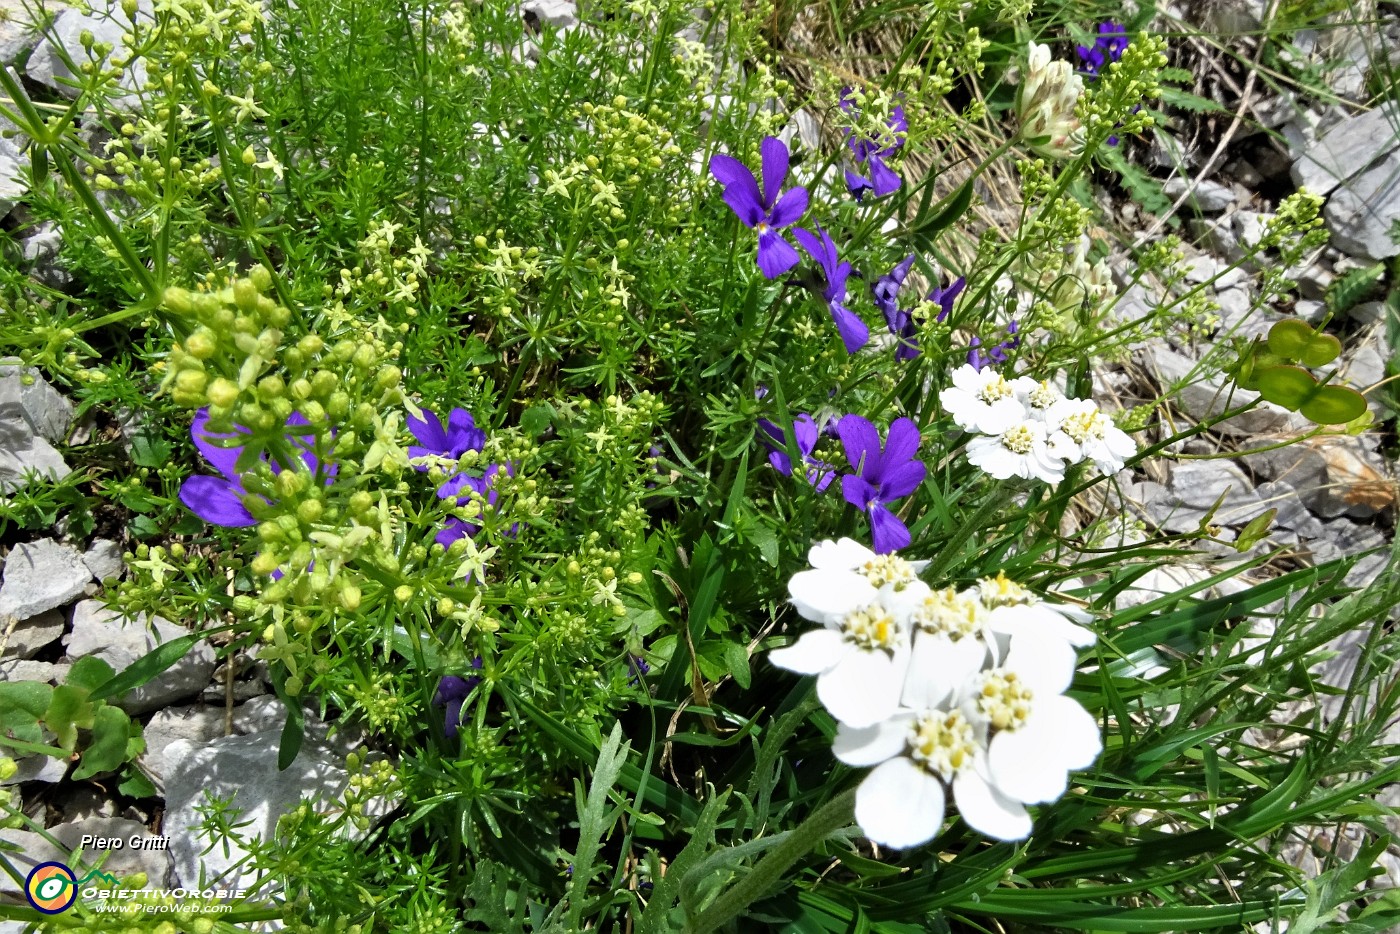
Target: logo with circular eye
(51, 888)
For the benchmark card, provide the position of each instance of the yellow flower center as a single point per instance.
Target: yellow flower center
(1004, 700)
(1044, 395)
(1018, 439)
(888, 569)
(943, 743)
(871, 628)
(1083, 426)
(947, 613)
(996, 389)
(998, 591)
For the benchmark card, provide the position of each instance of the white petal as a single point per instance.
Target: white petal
(1000, 415)
(1075, 730)
(845, 555)
(863, 688)
(938, 667)
(903, 602)
(989, 811)
(815, 652)
(826, 596)
(1044, 662)
(1023, 765)
(900, 805)
(872, 745)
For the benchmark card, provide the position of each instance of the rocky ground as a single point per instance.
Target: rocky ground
(213, 728)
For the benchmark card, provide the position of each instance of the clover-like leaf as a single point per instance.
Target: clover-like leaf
(1296, 340)
(1288, 386)
(1334, 405)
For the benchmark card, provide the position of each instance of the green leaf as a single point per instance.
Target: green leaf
(1288, 386)
(736, 659)
(22, 706)
(293, 733)
(146, 667)
(535, 419)
(1296, 340)
(149, 450)
(594, 820)
(68, 710)
(1334, 405)
(111, 728)
(1256, 531)
(135, 784)
(89, 673)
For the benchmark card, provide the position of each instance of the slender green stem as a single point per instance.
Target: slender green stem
(830, 817)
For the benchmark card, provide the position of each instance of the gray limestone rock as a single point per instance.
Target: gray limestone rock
(1361, 212)
(131, 858)
(32, 635)
(25, 395)
(19, 670)
(13, 187)
(107, 23)
(104, 559)
(102, 633)
(1208, 197)
(195, 723)
(1346, 149)
(243, 769)
(41, 576)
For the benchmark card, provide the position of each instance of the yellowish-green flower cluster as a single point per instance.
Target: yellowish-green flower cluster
(1112, 105)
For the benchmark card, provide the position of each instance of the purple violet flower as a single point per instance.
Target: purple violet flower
(854, 332)
(997, 354)
(885, 292)
(873, 153)
(452, 691)
(459, 436)
(881, 476)
(220, 500)
(764, 210)
(1109, 46)
(944, 297)
(459, 488)
(805, 433)
(639, 667)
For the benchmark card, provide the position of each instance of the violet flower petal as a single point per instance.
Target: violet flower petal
(775, 255)
(790, 208)
(862, 444)
(216, 500)
(888, 534)
(774, 156)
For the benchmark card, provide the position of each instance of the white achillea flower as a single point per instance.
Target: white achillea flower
(982, 400)
(1085, 433)
(860, 663)
(952, 641)
(1015, 611)
(1036, 735)
(1039, 397)
(846, 576)
(1019, 451)
(919, 755)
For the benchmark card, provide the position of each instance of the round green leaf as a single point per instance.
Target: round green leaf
(1321, 350)
(1289, 337)
(1334, 405)
(1288, 386)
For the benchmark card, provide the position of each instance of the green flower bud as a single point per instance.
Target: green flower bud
(251, 414)
(364, 357)
(271, 387)
(271, 533)
(293, 685)
(315, 413)
(310, 511)
(403, 593)
(311, 345)
(350, 597)
(388, 377)
(301, 388)
(7, 768)
(323, 383)
(260, 277)
(274, 314)
(291, 530)
(201, 344)
(265, 563)
(343, 351)
(191, 382)
(250, 156)
(302, 556)
(223, 392)
(290, 483)
(364, 415)
(178, 300)
(361, 502)
(338, 405)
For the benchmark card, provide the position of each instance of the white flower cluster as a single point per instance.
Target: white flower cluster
(1046, 105)
(941, 690)
(1029, 428)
